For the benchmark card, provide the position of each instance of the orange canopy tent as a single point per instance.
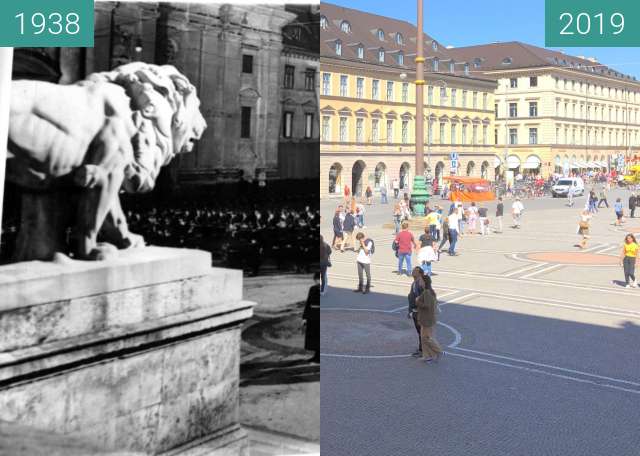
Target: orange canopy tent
(467, 189)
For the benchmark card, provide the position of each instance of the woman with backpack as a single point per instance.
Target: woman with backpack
(427, 308)
(417, 287)
(369, 195)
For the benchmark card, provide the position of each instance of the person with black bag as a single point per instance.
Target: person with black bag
(325, 262)
(311, 317)
(633, 202)
(417, 287)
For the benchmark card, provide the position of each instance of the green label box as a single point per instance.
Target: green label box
(46, 23)
(586, 23)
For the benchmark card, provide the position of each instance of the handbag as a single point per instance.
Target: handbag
(584, 225)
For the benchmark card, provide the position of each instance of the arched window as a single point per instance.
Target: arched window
(381, 55)
(323, 22)
(399, 39)
(338, 47)
(381, 34)
(345, 27)
(434, 46)
(400, 58)
(435, 64)
(507, 61)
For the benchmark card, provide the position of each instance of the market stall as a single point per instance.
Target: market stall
(467, 189)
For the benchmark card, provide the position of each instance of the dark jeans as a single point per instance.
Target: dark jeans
(629, 266)
(323, 278)
(453, 239)
(445, 238)
(603, 200)
(417, 325)
(433, 232)
(364, 268)
(632, 209)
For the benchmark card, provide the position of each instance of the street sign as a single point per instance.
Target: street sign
(453, 156)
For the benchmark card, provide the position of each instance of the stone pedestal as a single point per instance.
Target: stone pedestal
(140, 353)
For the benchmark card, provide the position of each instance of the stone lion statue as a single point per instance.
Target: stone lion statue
(74, 148)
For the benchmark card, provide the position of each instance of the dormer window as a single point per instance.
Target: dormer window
(434, 46)
(507, 61)
(476, 63)
(338, 47)
(345, 27)
(381, 34)
(399, 39)
(400, 58)
(360, 51)
(466, 69)
(452, 67)
(435, 64)
(381, 55)
(323, 22)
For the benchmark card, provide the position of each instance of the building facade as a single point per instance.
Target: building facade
(555, 112)
(367, 106)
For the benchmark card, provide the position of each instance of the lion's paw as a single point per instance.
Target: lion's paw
(103, 251)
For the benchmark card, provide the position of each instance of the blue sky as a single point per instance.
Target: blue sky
(467, 22)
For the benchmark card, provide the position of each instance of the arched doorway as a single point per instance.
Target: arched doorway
(484, 170)
(405, 175)
(439, 173)
(357, 172)
(335, 178)
(471, 166)
(381, 176)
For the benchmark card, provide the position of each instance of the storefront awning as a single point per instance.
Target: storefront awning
(532, 162)
(513, 162)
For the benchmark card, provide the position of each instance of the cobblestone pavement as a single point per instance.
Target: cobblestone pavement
(279, 387)
(542, 345)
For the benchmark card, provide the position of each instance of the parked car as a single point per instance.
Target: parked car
(561, 188)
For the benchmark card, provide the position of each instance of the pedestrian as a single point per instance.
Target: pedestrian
(363, 260)
(633, 202)
(338, 234)
(499, 214)
(516, 210)
(396, 188)
(311, 317)
(407, 206)
(454, 227)
(603, 197)
(438, 223)
(617, 208)
(368, 193)
(570, 195)
(432, 223)
(583, 228)
(325, 262)
(348, 228)
(427, 308)
(445, 233)
(593, 201)
(483, 220)
(347, 192)
(417, 287)
(472, 217)
(629, 259)
(383, 194)
(427, 253)
(406, 244)
(397, 217)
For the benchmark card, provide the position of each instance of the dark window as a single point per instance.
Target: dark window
(310, 79)
(245, 126)
(289, 73)
(308, 125)
(287, 124)
(247, 63)
(533, 81)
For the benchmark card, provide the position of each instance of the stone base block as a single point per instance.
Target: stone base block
(140, 353)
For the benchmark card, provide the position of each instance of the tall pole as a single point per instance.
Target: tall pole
(419, 194)
(6, 64)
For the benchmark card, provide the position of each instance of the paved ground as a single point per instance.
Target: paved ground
(279, 387)
(542, 346)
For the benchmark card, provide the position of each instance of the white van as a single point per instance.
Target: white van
(561, 188)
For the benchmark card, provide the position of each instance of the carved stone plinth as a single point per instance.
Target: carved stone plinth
(140, 353)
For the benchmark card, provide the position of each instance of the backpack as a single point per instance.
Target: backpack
(372, 250)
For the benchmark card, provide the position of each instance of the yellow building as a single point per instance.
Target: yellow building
(367, 106)
(555, 112)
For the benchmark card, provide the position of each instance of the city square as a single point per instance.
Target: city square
(540, 338)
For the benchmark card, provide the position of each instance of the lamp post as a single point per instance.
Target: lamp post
(419, 194)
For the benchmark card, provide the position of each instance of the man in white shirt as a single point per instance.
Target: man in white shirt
(454, 229)
(396, 188)
(516, 210)
(364, 246)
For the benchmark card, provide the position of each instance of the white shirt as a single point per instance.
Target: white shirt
(427, 254)
(454, 222)
(517, 207)
(362, 256)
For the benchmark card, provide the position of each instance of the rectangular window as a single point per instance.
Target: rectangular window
(375, 89)
(389, 131)
(464, 133)
(475, 100)
(308, 125)
(310, 79)
(343, 129)
(430, 132)
(442, 132)
(464, 98)
(287, 124)
(513, 109)
(359, 130)
(453, 134)
(405, 92)
(326, 125)
(495, 108)
(495, 136)
(533, 136)
(513, 83)
(513, 136)
(453, 98)
(375, 133)
(247, 63)
(289, 74)
(245, 123)
(343, 85)
(326, 83)
(484, 101)
(360, 88)
(405, 131)
(389, 91)
(474, 135)
(533, 109)
(533, 81)
(443, 95)
(485, 134)
(430, 95)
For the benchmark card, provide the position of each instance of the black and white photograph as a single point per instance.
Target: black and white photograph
(159, 272)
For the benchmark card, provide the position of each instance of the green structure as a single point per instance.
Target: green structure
(419, 196)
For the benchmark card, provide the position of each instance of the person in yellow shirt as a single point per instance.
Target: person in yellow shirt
(629, 258)
(432, 222)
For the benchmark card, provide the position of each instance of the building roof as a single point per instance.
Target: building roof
(516, 55)
(362, 30)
